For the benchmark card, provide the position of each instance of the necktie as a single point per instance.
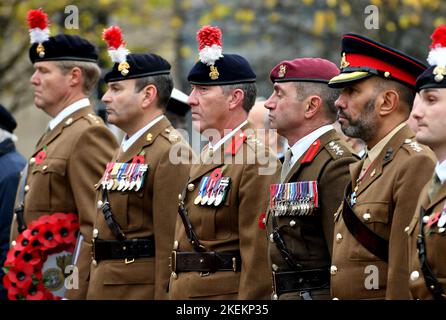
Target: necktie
(434, 186)
(286, 166)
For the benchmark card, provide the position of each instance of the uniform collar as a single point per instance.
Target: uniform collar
(72, 108)
(376, 150)
(299, 148)
(440, 170)
(127, 142)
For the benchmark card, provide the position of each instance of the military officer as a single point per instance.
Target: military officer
(369, 254)
(138, 193)
(314, 175)
(68, 159)
(427, 264)
(219, 250)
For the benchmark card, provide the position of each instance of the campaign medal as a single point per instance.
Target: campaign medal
(201, 190)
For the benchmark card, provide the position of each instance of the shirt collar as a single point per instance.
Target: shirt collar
(227, 137)
(440, 170)
(302, 145)
(376, 150)
(82, 103)
(127, 142)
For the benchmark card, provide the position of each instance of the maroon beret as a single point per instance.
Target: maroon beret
(304, 69)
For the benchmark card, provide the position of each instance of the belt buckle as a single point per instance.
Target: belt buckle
(129, 261)
(173, 261)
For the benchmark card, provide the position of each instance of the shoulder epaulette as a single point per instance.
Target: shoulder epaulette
(412, 146)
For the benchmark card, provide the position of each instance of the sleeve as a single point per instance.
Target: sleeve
(334, 179)
(255, 277)
(169, 181)
(407, 188)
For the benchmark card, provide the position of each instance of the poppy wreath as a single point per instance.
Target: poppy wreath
(50, 234)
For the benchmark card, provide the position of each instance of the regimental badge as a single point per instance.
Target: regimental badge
(439, 72)
(124, 67)
(282, 71)
(40, 50)
(294, 199)
(124, 176)
(214, 73)
(213, 189)
(344, 62)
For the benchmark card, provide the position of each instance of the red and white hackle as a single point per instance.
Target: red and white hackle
(38, 29)
(209, 44)
(116, 48)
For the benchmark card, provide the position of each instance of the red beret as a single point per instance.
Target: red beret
(304, 69)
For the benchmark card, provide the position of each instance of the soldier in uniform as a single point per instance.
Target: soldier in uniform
(427, 263)
(369, 253)
(220, 251)
(138, 193)
(314, 175)
(69, 158)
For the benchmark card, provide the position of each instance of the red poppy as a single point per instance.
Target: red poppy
(40, 157)
(36, 292)
(262, 221)
(20, 274)
(46, 236)
(138, 159)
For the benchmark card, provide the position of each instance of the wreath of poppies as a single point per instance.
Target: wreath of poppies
(48, 235)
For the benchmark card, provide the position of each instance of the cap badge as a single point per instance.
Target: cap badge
(40, 50)
(124, 67)
(439, 73)
(344, 62)
(282, 71)
(214, 73)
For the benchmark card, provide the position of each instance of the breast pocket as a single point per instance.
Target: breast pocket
(49, 188)
(375, 216)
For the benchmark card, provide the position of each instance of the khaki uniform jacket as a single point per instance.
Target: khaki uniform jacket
(310, 238)
(385, 202)
(435, 241)
(151, 210)
(234, 225)
(77, 149)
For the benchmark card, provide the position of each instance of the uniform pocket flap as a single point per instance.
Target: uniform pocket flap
(370, 212)
(55, 165)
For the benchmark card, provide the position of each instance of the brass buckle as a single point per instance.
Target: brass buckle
(129, 261)
(234, 264)
(173, 261)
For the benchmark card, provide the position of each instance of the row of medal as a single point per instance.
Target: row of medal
(294, 199)
(212, 191)
(123, 176)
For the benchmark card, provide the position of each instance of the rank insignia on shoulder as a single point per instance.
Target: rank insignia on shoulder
(123, 176)
(213, 189)
(413, 145)
(294, 199)
(336, 148)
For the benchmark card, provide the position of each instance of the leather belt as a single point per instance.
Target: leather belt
(205, 261)
(129, 250)
(292, 281)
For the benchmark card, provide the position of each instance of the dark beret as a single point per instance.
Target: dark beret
(64, 47)
(140, 65)
(230, 69)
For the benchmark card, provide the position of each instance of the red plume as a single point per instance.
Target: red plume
(208, 36)
(113, 37)
(438, 37)
(37, 19)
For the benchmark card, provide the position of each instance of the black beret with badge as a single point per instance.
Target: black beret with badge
(363, 57)
(130, 65)
(216, 68)
(60, 47)
(435, 75)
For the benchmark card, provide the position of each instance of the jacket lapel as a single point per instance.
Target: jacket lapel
(438, 197)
